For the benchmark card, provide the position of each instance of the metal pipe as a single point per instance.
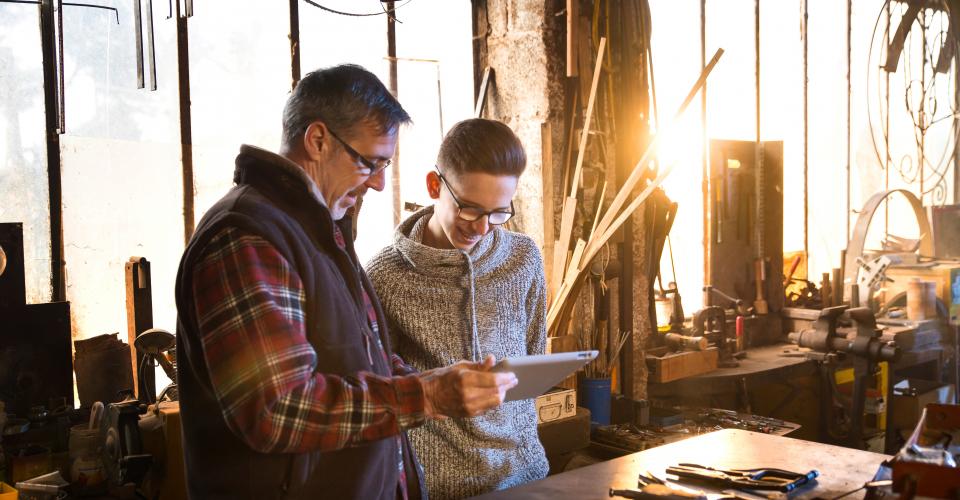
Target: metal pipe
(51, 108)
(395, 90)
(294, 43)
(186, 130)
(151, 50)
(61, 87)
(138, 41)
(707, 186)
(886, 135)
(846, 235)
(804, 29)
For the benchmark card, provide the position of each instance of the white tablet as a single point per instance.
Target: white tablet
(537, 374)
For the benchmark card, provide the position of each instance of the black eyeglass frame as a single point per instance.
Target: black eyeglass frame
(357, 157)
(487, 214)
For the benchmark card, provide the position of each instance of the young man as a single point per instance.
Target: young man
(288, 384)
(455, 285)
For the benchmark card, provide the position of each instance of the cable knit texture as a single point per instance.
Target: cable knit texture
(444, 306)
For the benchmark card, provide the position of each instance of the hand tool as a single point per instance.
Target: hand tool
(756, 479)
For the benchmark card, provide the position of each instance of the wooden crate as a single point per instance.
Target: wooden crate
(675, 366)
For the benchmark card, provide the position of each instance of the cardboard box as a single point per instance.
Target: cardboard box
(557, 404)
(911, 396)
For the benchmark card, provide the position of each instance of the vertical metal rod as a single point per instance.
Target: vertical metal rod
(761, 181)
(48, 47)
(61, 87)
(805, 32)
(706, 185)
(294, 43)
(151, 50)
(138, 41)
(923, 94)
(886, 134)
(186, 130)
(395, 90)
(439, 102)
(846, 234)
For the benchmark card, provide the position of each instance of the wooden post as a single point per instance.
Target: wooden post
(139, 318)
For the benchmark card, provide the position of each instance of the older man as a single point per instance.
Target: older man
(288, 385)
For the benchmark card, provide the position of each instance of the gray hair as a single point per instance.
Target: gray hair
(342, 97)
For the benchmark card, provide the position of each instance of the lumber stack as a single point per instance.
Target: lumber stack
(570, 269)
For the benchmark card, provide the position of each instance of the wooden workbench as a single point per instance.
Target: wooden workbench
(841, 469)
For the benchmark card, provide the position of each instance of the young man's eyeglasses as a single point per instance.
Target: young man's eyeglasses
(471, 213)
(373, 167)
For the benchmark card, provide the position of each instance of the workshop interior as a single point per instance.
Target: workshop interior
(748, 208)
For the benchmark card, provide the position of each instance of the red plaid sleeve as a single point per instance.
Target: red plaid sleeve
(250, 308)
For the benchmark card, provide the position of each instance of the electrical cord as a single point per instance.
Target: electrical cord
(357, 14)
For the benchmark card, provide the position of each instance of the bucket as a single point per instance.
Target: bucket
(86, 468)
(595, 396)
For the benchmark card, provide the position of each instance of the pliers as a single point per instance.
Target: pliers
(753, 479)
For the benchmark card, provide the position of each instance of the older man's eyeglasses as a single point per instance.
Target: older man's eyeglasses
(471, 213)
(372, 167)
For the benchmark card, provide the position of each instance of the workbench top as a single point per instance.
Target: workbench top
(841, 469)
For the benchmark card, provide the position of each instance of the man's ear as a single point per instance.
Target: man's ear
(433, 185)
(315, 140)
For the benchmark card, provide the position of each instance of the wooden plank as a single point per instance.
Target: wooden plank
(563, 242)
(572, 15)
(587, 118)
(596, 218)
(682, 365)
(482, 96)
(573, 268)
(546, 173)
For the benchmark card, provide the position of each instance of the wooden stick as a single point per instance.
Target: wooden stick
(572, 14)
(587, 118)
(482, 96)
(546, 170)
(570, 204)
(636, 174)
(574, 267)
(596, 218)
(613, 218)
(563, 243)
(597, 243)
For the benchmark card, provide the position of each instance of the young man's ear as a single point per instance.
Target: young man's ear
(433, 185)
(313, 140)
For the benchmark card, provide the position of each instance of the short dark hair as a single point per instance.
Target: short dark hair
(481, 145)
(341, 97)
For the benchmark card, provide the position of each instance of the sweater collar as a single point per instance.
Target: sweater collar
(486, 255)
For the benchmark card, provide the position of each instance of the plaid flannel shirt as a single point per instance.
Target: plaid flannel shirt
(250, 308)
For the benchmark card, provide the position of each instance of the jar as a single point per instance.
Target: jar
(86, 468)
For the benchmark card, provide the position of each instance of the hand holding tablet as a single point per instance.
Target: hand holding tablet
(537, 374)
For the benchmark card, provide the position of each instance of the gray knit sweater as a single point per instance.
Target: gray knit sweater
(444, 306)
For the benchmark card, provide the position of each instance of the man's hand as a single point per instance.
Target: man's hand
(465, 389)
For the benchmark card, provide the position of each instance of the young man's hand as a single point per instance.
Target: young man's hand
(465, 389)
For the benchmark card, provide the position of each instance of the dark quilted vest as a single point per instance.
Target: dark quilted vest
(269, 202)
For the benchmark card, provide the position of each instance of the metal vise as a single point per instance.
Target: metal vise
(866, 348)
